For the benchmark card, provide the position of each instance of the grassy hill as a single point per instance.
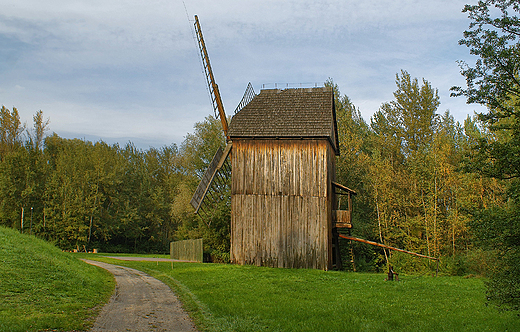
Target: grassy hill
(43, 288)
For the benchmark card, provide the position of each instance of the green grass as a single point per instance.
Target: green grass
(130, 255)
(43, 288)
(248, 298)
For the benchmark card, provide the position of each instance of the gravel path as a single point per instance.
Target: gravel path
(140, 303)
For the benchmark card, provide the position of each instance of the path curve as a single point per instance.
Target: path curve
(140, 303)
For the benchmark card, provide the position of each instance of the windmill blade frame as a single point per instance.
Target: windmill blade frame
(213, 182)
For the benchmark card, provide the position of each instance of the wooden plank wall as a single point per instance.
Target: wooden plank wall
(281, 203)
(187, 250)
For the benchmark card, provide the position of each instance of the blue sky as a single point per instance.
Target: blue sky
(129, 70)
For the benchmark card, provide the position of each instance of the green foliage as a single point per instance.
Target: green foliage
(497, 230)
(197, 152)
(494, 36)
(407, 123)
(11, 130)
(43, 288)
(493, 80)
(405, 168)
(84, 195)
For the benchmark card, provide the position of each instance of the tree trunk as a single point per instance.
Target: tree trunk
(380, 232)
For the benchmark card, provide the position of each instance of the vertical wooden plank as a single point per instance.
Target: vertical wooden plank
(239, 250)
(266, 228)
(259, 230)
(303, 221)
(282, 247)
(266, 170)
(250, 230)
(294, 168)
(286, 220)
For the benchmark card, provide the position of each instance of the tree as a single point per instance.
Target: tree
(410, 118)
(494, 81)
(402, 152)
(196, 152)
(22, 172)
(70, 193)
(40, 127)
(11, 130)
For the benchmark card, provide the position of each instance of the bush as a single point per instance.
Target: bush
(405, 263)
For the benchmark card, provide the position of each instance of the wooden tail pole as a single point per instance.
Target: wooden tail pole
(391, 248)
(213, 87)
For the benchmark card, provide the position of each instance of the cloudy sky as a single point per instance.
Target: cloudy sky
(129, 70)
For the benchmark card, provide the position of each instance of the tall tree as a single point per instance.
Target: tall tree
(11, 130)
(22, 173)
(40, 127)
(404, 131)
(493, 81)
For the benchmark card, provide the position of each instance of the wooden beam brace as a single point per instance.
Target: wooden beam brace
(386, 247)
(342, 187)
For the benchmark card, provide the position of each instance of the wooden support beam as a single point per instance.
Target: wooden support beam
(385, 246)
(342, 187)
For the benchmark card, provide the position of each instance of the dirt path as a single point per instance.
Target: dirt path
(149, 259)
(140, 303)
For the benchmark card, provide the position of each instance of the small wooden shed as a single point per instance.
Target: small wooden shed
(283, 186)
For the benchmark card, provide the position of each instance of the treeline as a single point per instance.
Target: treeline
(407, 166)
(83, 195)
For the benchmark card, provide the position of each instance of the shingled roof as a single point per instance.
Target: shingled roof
(289, 113)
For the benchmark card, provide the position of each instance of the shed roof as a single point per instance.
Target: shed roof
(289, 113)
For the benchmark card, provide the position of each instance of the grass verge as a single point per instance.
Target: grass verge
(43, 288)
(249, 298)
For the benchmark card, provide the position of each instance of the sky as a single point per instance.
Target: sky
(129, 71)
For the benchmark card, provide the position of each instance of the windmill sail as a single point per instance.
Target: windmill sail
(218, 107)
(213, 184)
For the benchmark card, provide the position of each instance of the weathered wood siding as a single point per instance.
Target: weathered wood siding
(187, 250)
(282, 202)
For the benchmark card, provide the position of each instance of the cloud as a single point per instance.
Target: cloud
(131, 68)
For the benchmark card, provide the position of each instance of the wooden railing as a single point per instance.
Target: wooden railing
(342, 218)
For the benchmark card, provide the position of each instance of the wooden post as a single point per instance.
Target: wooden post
(351, 249)
(21, 223)
(337, 252)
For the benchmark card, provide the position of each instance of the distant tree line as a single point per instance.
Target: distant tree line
(83, 195)
(406, 166)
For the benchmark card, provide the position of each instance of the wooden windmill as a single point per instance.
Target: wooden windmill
(280, 155)
(284, 195)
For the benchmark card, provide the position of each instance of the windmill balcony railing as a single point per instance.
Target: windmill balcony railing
(342, 218)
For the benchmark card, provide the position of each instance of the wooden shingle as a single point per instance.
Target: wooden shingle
(289, 113)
